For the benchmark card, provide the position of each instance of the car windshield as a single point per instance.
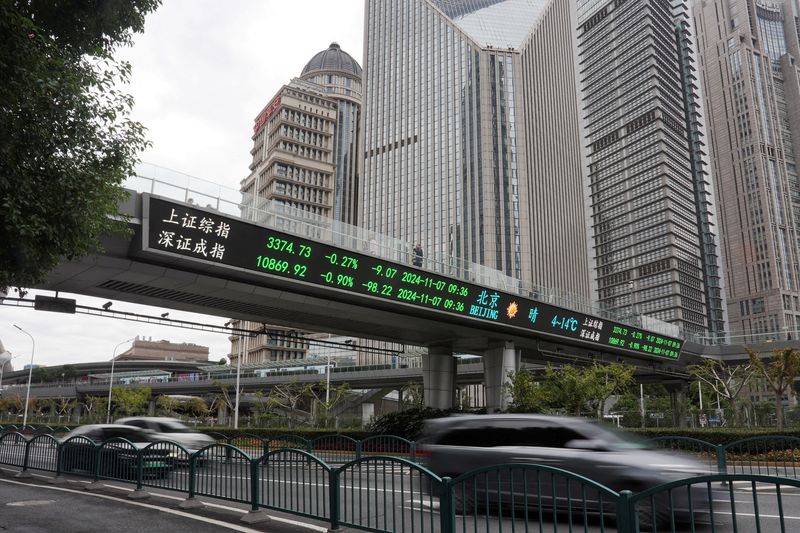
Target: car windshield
(615, 438)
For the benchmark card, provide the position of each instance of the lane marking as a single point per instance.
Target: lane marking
(175, 512)
(178, 498)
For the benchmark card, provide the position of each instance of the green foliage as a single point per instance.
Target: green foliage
(167, 405)
(130, 402)
(195, 407)
(66, 139)
(527, 394)
(407, 424)
(779, 372)
(576, 390)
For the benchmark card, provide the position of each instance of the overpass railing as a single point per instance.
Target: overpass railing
(182, 187)
(387, 494)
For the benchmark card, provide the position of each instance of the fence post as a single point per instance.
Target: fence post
(192, 475)
(722, 464)
(27, 456)
(446, 508)
(334, 496)
(264, 446)
(97, 462)
(254, 485)
(59, 458)
(626, 513)
(139, 468)
(358, 449)
(413, 450)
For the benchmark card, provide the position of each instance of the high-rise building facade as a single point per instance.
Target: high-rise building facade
(750, 51)
(471, 139)
(651, 202)
(306, 155)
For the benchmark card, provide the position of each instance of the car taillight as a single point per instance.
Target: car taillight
(423, 452)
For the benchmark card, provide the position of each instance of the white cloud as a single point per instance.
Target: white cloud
(202, 71)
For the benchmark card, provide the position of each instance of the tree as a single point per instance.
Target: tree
(130, 402)
(195, 407)
(94, 405)
(167, 405)
(527, 394)
(64, 406)
(322, 408)
(726, 380)
(289, 396)
(569, 388)
(66, 139)
(779, 372)
(412, 396)
(606, 381)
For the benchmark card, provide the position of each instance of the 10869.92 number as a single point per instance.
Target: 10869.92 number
(279, 265)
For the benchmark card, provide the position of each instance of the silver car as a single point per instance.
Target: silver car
(161, 428)
(459, 444)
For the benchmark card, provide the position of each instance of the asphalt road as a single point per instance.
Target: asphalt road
(26, 508)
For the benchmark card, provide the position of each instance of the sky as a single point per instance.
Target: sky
(202, 71)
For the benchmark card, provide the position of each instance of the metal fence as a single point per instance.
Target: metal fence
(775, 455)
(380, 493)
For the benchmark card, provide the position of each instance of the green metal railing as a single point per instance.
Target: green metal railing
(386, 494)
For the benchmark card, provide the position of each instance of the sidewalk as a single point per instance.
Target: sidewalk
(36, 505)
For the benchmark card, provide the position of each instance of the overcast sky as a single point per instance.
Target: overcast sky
(202, 71)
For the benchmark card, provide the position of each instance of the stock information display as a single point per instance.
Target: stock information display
(180, 229)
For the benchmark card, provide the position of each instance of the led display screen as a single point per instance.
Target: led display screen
(186, 231)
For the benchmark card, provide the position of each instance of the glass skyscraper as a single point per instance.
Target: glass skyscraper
(471, 139)
(750, 51)
(651, 202)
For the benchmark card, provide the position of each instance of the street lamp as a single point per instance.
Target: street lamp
(243, 349)
(111, 379)
(30, 374)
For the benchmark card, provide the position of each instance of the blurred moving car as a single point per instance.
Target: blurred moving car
(170, 429)
(456, 445)
(117, 458)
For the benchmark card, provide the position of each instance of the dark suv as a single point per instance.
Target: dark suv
(459, 444)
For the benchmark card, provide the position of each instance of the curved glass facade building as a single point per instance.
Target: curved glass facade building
(471, 140)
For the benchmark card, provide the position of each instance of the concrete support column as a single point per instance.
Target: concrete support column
(498, 362)
(677, 400)
(151, 408)
(439, 377)
(367, 413)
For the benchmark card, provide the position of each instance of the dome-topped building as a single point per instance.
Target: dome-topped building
(339, 75)
(334, 59)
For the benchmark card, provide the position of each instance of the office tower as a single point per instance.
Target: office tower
(305, 156)
(471, 139)
(652, 207)
(749, 51)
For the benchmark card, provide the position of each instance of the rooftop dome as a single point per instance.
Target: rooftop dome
(333, 59)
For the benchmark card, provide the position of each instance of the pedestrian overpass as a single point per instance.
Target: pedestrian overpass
(210, 252)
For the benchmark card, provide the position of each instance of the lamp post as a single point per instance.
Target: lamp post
(30, 374)
(242, 350)
(111, 379)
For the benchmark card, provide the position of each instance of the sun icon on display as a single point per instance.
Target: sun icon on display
(512, 310)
